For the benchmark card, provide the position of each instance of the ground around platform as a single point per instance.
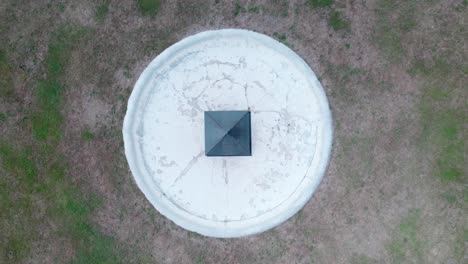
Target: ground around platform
(395, 76)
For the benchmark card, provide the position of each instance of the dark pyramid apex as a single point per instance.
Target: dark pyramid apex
(227, 133)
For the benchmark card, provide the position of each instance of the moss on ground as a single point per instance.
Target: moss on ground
(394, 20)
(281, 38)
(47, 119)
(459, 248)
(6, 80)
(406, 246)
(442, 121)
(16, 202)
(237, 9)
(87, 135)
(277, 8)
(342, 76)
(337, 21)
(148, 7)
(102, 9)
(320, 3)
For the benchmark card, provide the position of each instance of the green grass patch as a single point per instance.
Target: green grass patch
(459, 246)
(60, 6)
(2, 117)
(237, 9)
(38, 173)
(127, 75)
(442, 133)
(405, 245)
(6, 78)
(254, 10)
(17, 183)
(278, 8)
(320, 3)
(199, 260)
(342, 75)
(47, 120)
(281, 38)
(67, 205)
(19, 164)
(394, 20)
(158, 44)
(87, 135)
(273, 8)
(74, 212)
(450, 197)
(361, 259)
(299, 217)
(442, 113)
(337, 21)
(438, 68)
(148, 7)
(102, 10)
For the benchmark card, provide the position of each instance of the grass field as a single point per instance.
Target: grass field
(395, 73)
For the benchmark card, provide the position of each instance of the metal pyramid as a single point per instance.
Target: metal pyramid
(227, 133)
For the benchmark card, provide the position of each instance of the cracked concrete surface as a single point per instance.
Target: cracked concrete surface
(228, 70)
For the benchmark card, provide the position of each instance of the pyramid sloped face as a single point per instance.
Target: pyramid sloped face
(227, 133)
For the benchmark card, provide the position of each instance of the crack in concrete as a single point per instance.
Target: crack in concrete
(246, 97)
(225, 172)
(188, 167)
(285, 115)
(218, 63)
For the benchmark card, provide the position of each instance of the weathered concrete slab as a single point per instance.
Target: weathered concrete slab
(228, 70)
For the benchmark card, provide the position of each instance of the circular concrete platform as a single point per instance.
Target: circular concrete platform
(224, 70)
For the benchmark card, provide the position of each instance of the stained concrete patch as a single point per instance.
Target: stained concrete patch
(226, 70)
